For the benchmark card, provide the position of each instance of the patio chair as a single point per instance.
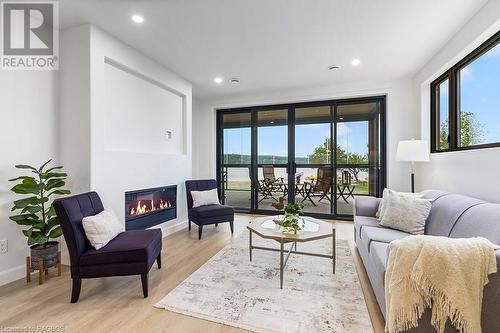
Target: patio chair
(270, 184)
(322, 186)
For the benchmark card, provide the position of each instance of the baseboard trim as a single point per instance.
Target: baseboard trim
(168, 229)
(12, 274)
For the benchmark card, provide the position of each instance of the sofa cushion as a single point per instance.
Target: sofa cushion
(479, 221)
(364, 221)
(127, 247)
(211, 211)
(445, 212)
(379, 255)
(383, 235)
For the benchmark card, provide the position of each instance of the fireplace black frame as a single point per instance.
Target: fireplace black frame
(150, 219)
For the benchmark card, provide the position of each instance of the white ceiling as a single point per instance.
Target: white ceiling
(279, 44)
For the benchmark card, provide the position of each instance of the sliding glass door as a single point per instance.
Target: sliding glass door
(318, 154)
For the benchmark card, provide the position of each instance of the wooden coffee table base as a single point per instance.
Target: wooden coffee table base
(283, 260)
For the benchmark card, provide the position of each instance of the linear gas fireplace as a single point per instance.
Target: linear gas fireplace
(149, 207)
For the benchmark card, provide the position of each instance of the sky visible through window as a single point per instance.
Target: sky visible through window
(351, 136)
(480, 93)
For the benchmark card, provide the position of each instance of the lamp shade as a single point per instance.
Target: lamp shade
(413, 151)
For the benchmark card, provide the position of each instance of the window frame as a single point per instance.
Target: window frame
(453, 77)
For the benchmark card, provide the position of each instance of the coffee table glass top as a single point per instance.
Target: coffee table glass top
(310, 225)
(313, 229)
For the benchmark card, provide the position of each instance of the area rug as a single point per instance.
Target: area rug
(230, 289)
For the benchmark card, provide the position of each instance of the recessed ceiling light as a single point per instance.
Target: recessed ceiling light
(218, 80)
(341, 118)
(355, 62)
(137, 18)
(271, 122)
(235, 80)
(334, 67)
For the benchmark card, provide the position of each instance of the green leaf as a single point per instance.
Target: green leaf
(29, 222)
(49, 175)
(22, 177)
(25, 166)
(31, 209)
(59, 192)
(28, 232)
(57, 232)
(54, 183)
(52, 222)
(54, 168)
(21, 217)
(27, 188)
(22, 203)
(50, 212)
(37, 238)
(43, 165)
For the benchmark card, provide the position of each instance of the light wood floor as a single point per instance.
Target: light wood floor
(116, 304)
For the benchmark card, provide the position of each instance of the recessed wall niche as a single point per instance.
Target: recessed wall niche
(140, 113)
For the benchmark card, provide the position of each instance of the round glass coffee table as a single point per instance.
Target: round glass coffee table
(314, 229)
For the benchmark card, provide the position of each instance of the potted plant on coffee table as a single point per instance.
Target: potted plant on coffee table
(35, 212)
(292, 222)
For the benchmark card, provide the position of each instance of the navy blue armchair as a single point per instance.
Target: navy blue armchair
(130, 253)
(209, 214)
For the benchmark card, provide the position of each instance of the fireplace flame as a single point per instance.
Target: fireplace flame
(142, 208)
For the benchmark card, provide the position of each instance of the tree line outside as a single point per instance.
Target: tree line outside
(471, 131)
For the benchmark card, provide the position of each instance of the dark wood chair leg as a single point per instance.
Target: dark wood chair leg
(75, 293)
(144, 280)
(231, 225)
(189, 225)
(158, 261)
(200, 230)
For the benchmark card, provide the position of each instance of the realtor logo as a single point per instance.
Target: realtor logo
(30, 35)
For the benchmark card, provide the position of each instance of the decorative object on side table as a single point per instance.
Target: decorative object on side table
(292, 222)
(39, 216)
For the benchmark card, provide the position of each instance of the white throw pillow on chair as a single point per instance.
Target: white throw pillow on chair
(100, 229)
(203, 198)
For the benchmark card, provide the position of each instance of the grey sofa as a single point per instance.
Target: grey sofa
(452, 215)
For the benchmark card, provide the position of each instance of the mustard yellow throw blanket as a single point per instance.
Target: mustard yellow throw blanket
(447, 273)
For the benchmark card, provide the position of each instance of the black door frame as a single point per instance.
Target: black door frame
(291, 165)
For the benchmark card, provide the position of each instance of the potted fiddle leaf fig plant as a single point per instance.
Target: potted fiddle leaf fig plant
(35, 212)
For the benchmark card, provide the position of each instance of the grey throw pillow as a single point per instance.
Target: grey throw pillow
(407, 213)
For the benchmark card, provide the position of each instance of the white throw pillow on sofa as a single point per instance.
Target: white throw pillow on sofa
(383, 203)
(203, 198)
(407, 213)
(100, 229)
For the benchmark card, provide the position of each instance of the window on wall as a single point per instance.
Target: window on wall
(465, 102)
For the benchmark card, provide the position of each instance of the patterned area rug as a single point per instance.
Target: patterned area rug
(230, 289)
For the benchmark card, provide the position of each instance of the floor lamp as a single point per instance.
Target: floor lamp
(413, 151)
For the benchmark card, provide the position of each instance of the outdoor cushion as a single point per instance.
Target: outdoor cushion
(127, 247)
(383, 235)
(211, 211)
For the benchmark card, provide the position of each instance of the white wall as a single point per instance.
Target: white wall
(473, 172)
(402, 121)
(28, 133)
